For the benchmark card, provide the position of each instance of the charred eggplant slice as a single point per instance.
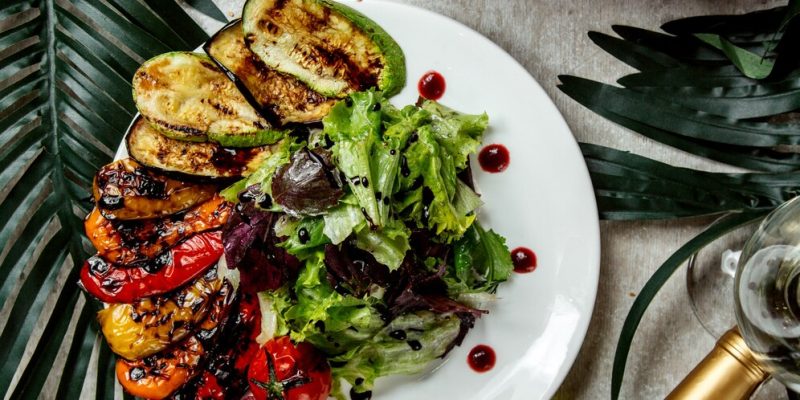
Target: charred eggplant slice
(187, 97)
(208, 160)
(125, 190)
(280, 97)
(334, 49)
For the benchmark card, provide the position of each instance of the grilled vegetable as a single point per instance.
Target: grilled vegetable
(187, 97)
(218, 313)
(334, 49)
(126, 190)
(279, 97)
(156, 377)
(159, 375)
(282, 370)
(135, 243)
(152, 324)
(177, 266)
(210, 160)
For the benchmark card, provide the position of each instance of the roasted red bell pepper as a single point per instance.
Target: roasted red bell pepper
(176, 267)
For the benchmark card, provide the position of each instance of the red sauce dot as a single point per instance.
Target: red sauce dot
(481, 358)
(431, 86)
(524, 260)
(494, 158)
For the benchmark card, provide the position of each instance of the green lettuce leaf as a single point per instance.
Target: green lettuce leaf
(384, 355)
(432, 206)
(459, 134)
(272, 305)
(388, 245)
(343, 220)
(481, 261)
(314, 241)
(332, 322)
(354, 127)
(281, 154)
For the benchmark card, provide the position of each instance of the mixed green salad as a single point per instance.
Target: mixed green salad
(360, 237)
(280, 227)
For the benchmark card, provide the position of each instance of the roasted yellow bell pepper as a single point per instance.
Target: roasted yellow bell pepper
(150, 325)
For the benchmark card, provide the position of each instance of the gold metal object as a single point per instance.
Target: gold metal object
(730, 371)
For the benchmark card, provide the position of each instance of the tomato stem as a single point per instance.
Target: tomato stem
(275, 388)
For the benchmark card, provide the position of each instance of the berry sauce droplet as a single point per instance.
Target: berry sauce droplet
(494, 158)
(524, 260)
(432, 85)
(481, 358)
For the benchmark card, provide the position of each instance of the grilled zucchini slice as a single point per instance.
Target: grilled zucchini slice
(333, 48)
(279, 97)
(208, 160)
(187, 97)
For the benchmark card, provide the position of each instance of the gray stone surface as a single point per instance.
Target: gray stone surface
(549, 38)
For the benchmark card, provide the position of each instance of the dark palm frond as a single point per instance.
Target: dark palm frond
(726, 88)
(638, 56)
(680, 120)
(684, 48)
(208, 8)
(755, 26)
(695, 97)
(703, 77)
(65, 102)
(728, 96)
(632, 187)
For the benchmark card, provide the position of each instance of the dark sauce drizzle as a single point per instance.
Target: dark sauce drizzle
(524, 260)
(494, 158)
(481, 358)
(432, 85)
(360, 396)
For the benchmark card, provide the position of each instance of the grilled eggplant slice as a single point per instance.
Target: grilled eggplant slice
(208, 160)
(334, 49)
(187, 97)
(125, 190)
(279, 97)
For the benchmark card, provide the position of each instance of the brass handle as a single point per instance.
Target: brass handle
(729, 371)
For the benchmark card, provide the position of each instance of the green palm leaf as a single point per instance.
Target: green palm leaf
(632, 187)
(732, 97)
(65, 102)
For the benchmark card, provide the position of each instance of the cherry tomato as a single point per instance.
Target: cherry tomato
(250, 318)
(226, 369)
(135, 243)
(181, 264)
(209, 388)
(281, 370)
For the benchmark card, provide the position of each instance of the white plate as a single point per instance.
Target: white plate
(543, 201)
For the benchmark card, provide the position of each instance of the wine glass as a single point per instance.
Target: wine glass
(765, 289)
(767, 293)
(710, 276)
(710, 285)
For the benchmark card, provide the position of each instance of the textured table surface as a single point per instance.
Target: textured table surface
(549, 38)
